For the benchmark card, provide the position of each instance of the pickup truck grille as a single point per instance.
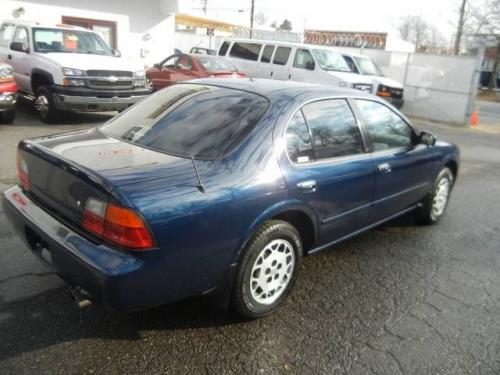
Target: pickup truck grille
(109, 79)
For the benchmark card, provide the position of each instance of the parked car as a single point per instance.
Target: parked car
(293, 61)
(69, 68)
(8, 93)
(387, 88)
(219, 187)
(183, 67)
(203, 51)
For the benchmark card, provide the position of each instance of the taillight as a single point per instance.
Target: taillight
(22, 172)
(118, 225)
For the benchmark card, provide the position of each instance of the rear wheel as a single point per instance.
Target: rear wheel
(7, 117)
(435, 205)
(44, 105)
(268, 269)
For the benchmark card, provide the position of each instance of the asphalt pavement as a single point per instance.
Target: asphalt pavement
(401, 299)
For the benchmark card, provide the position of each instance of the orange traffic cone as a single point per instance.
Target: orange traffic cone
(474, 118)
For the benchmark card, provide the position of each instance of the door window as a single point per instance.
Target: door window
(385, 128)
(281, 55)
(170, 62)
(298, 140)
(303, 59)
(21, 36)
(184, 62)
(333, 128)
(6, 34)
(266, 54)
(246, 51)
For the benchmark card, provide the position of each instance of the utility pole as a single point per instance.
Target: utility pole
(460, 27)
(252, 7)
(204, 6)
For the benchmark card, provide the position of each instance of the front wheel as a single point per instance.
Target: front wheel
(435, 205)
(268, 269)
(7, 117)
(44, 105)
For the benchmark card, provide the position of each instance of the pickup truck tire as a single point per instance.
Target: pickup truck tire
(44, 105)
(7, 117)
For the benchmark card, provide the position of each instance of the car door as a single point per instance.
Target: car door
(326, 167)
(161, 75)
(279, 68)
(404, 167)
(20, 61)
(303, 67)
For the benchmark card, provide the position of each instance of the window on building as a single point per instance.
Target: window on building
(281, 55)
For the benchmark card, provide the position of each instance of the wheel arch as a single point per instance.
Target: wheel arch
(39, 78)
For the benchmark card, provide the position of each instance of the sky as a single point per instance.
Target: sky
(346, 15)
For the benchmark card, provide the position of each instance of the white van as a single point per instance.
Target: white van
(385, 87)
(292, 61)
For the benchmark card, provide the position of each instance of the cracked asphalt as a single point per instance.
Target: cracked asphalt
(401, 299)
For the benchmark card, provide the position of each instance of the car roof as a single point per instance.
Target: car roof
(285, 44)
(276, 89)
(45, 25)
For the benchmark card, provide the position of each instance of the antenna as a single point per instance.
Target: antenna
(200, 184)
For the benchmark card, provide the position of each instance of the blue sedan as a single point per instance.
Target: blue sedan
(219, 188)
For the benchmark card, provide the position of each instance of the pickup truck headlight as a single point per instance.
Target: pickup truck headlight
(140, 78)
(74, 77)
(6, 73)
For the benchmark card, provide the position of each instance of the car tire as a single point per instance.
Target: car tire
(7, 117)
(44, 105)
(268, 269)
(435, 204)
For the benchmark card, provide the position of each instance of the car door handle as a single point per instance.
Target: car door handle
(9, 56)
(289, 76)
(272, 74)
(384, 168)
(307, 185)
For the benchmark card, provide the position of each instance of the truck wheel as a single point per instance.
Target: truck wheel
(8, 117)
(44, 105)
(268, 269)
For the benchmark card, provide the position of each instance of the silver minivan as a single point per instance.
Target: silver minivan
(292, 61)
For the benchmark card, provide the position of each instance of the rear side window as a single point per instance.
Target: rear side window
(246, 51)
(385, 128)
(223, 49)
(6, 34)
(267, 54)
(334, 129)
(281, 55)
(207, 122)
(298, 140)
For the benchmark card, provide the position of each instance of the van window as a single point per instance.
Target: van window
(6, 33)
(303, 59)
(281, 55)
(246, 51)
(223, 49)
(267, 54)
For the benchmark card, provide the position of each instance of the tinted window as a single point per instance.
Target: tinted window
(247, 51)
(281, 55)
(298, 141)
(384, 127)
(223, 49)
(266, 54)
(334, 129)
(205, 121)
(303, 59)
(6, 34)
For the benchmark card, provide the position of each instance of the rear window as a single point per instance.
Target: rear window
(207, 122)
(281, 55)
(247, 51)
(267, 53)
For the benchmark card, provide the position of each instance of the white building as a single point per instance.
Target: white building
(139, 29)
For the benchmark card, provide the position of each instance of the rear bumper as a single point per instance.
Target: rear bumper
(106, 276)
(87, 100)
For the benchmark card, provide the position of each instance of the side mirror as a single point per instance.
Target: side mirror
(157, 66)
(116, 53)
(427, 138)
(310, 65)
(19, 47)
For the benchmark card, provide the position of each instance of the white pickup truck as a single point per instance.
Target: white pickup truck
(67, 68)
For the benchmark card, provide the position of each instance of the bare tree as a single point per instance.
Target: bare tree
(260, 18)
(286, 25)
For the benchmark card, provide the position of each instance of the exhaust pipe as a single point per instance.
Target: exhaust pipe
(77, 297)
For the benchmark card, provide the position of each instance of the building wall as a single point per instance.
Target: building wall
(144, 32)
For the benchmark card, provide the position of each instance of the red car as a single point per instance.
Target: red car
(182, 67)
(8, 93)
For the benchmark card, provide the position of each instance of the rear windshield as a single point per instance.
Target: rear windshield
(206, 122)
(216, 64)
